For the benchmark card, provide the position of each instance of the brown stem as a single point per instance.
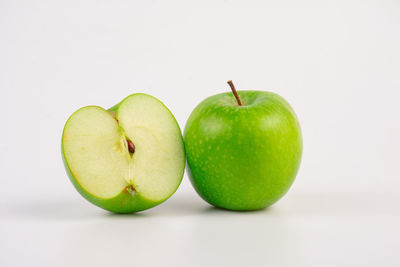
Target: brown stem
(234, 92)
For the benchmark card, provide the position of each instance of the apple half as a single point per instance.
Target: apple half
(125, 159)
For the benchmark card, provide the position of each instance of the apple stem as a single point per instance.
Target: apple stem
(234, 92)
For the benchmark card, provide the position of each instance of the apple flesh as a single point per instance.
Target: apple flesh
(243, 156)
(126, 159)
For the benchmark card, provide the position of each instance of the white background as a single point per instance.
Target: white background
(336, 62)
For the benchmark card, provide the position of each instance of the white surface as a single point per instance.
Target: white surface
(337, 63)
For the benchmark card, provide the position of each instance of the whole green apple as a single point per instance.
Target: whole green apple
(125, 159)
(243, 149)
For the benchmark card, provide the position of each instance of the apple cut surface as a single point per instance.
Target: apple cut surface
(106, 171)
(95, 151)
(159, 151)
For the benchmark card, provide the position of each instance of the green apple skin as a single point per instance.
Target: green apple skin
(125, 202)
(243, 157)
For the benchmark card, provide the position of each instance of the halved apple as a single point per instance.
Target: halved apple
(125, 159)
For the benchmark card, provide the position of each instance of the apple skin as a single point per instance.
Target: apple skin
(124, 202)
(243, 157)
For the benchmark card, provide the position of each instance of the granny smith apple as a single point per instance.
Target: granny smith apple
(243, 149)
(125, 159)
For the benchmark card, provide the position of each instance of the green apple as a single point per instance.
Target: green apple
(125, 159)
(243, 149)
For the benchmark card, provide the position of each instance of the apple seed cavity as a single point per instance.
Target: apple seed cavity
(131, 146)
